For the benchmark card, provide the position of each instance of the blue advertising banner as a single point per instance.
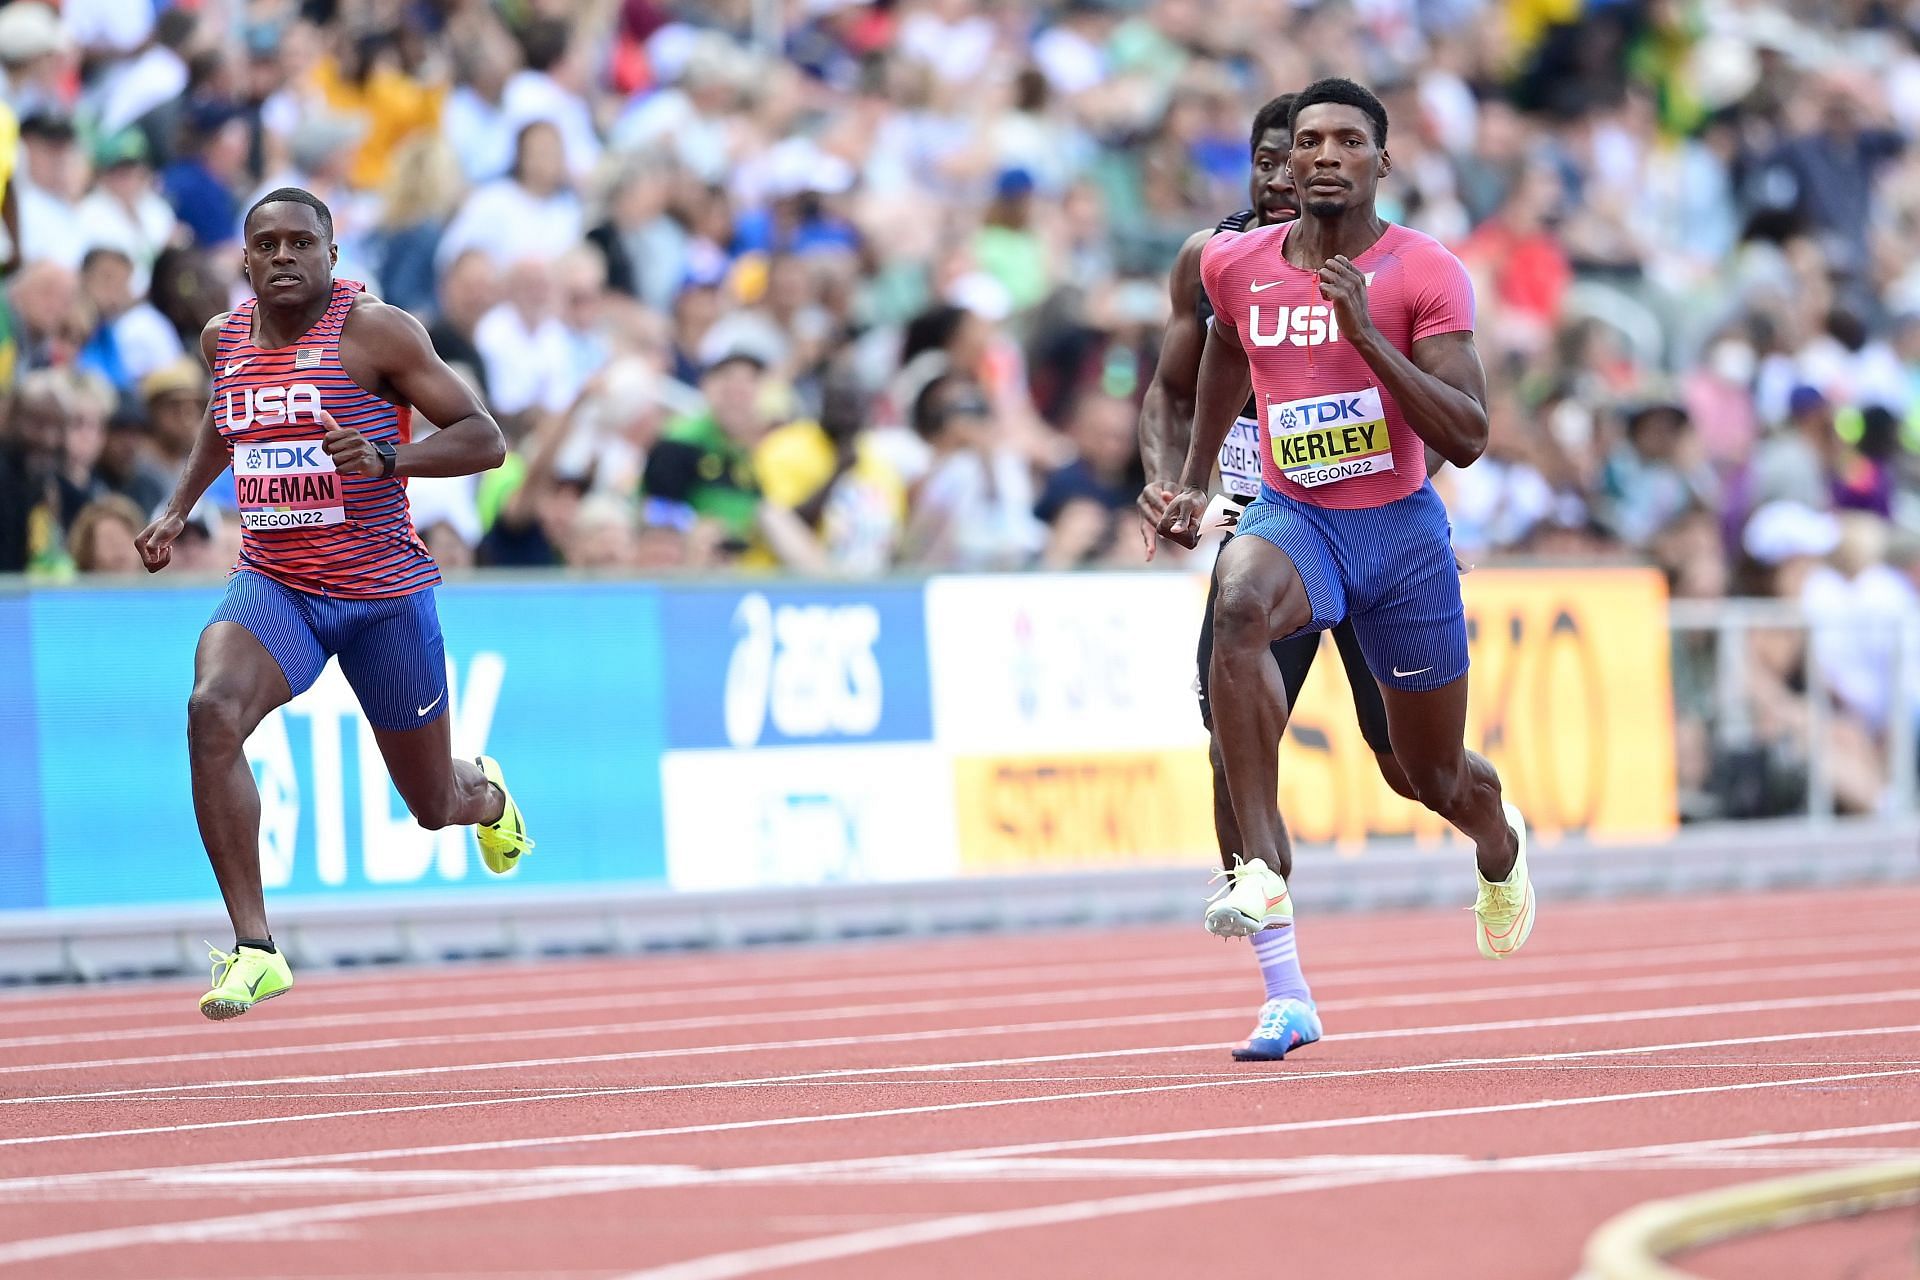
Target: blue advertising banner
(781, 666)
(20, 861)
(562, 683)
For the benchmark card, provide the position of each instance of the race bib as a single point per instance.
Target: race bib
(1330, 438)
(287, 484)
(1240, 459)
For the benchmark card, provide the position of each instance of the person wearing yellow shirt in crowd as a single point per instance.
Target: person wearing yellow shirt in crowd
(367, 81)
(829, 476)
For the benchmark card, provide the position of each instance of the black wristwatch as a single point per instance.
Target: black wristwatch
(387, 458)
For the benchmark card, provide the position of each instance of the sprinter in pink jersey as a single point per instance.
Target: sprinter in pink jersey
(314, 386)
(1356, 339)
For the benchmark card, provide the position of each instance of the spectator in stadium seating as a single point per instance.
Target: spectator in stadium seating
(552, 87)
(830, 475)
(204, 187)
(422, 192)
(1083, 501)
(1655, 474)
(643, 243)
(31, 455)
(127, 463)
(525, 345)
(974, 509)
(1795, 462)
(468, 291)
(1008, 247)
(156, 74)
(87, 400)
(475, 120)
(705, 462)
(125, 210)
(102, 536)
(1499, 500)
(52, 179)
(175, 397)
(530, 215)
(35, 57)
(43, 301)
(1792, 542)
(366, 78)
(130, 339)
(450, 550)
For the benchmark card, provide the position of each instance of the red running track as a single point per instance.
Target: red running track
(1058, 1105)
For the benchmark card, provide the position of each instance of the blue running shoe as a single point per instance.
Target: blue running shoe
(1285, 1025)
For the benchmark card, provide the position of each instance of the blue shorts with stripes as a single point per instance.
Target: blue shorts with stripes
(1390, 567)
(390, 650)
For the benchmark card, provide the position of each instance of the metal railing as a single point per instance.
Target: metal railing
(1888, 641)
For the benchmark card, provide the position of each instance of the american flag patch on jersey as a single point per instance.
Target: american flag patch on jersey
(306, 357)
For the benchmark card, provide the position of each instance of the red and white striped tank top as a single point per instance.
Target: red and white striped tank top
(302, 523)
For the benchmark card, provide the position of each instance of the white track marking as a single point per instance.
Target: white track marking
(522, 1064)
(1368, 975)
(783, 1122)
(682, 971)
(270, 1224)
(1798, 974)
(768, 1258)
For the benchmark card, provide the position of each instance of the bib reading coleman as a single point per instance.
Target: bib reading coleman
(287, 482)
(1330, 435)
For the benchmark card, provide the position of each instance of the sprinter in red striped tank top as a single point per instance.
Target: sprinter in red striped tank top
(315, 383)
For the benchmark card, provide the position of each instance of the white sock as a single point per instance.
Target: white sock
(1279, 957)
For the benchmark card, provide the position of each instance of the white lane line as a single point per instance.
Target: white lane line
(850, 1073)
(1391, 1033)
(769, 1258)
(958, 1169)
(689, 971)
(1798, 975)
(270, 1224)
(1874, 944)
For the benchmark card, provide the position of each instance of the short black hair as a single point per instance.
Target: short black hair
(294, 195)
(1347, 94)
(1277, 114)
(100, 253)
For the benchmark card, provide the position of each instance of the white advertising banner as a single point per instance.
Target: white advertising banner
(807, 815)
(1065, 662)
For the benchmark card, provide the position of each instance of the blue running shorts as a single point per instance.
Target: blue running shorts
(390, 650)
(1391, 568)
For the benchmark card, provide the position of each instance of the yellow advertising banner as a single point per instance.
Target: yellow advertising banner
(1098, 809)
(1571, 699)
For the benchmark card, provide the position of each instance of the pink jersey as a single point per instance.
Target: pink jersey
(1330, 434)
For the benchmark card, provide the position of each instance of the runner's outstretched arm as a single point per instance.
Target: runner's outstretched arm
(469, 441)
(205, 462)
(1441, 388)
(1224, 384)
(1166, 413)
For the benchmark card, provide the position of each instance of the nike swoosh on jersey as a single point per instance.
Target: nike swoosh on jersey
(236, 366)
(1259, 288)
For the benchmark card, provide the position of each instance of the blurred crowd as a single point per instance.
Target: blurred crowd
(845, 287)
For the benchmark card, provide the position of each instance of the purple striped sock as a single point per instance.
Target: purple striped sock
(1279, 957)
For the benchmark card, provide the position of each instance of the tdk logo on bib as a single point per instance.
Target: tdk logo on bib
(272, 405)
(283, 458)
(1327, 438)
